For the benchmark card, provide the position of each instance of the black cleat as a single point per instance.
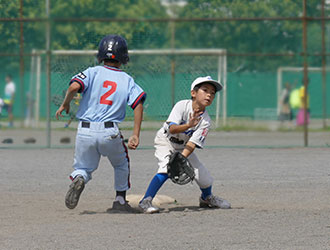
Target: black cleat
(73, 194)
(122, 208)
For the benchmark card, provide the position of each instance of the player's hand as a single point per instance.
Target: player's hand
(133, 142)
(194, 118)
(60, 110)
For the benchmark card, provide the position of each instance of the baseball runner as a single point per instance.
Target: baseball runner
(106, 90)
(186, 129)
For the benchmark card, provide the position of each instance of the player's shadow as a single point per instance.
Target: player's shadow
(111, 211)
(87, 212)
(133, 210)
(194, 209)
(185, 209)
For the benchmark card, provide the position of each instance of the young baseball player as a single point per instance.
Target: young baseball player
(185, 129)
(106, 90)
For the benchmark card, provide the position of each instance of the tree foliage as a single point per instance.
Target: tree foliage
(268, 36)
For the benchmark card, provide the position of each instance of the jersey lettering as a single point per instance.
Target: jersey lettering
(104, 97)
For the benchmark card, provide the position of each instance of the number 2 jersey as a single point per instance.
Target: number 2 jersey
(106, 91)
(179, 115)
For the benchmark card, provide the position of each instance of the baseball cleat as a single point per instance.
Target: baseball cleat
(74, 192)
(121, 208)
(146, 206)
(213, 201)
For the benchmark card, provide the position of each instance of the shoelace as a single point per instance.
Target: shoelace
(148, 203)
(216, 199)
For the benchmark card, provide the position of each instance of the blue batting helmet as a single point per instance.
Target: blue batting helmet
(113, 47)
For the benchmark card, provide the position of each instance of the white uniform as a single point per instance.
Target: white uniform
(9, 92)
(165, 143)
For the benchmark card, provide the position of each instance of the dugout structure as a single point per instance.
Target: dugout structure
(165, 74)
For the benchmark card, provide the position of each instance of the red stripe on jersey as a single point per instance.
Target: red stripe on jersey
(114, 69)
(205, 132)
(80, 82)
(137, 101)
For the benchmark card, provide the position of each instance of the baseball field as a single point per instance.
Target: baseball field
(279, 196)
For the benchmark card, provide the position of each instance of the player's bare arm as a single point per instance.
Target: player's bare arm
(188, 149)
(70, 94)
(133, 141)
(193, 121)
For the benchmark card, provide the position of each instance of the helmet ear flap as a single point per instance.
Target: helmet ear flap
(125, 59)
(99, 59)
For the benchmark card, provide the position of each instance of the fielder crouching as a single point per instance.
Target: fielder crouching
(185, 129)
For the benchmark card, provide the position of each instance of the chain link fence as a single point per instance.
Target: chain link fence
(256, 48)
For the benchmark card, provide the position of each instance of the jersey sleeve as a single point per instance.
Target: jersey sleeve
(199, 135)
(175, 116)
(83, 79)
(136, 94)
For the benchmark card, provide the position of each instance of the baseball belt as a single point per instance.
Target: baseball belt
(106, 124)
(176, 140)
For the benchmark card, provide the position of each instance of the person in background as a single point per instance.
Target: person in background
(301, 113)
(8, 99)
(285, 108)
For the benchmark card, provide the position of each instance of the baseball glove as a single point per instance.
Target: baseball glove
(179, 169)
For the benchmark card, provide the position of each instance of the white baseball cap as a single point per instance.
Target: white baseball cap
(206, 79)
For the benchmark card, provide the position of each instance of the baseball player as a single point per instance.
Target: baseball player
(106, 90)
(186, 129)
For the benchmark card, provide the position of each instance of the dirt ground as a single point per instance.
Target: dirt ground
(280, 199)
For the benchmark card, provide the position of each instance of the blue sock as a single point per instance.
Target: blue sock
(155, 185)
(206, 192)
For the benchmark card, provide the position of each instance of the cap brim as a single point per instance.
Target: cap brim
(217, 85)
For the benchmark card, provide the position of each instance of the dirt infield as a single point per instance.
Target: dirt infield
(280, 199)
(32, 138)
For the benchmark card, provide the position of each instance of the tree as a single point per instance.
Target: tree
(268, 36)
(80, 35)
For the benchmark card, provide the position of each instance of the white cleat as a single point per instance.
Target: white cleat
(146, 206)
(213, 201)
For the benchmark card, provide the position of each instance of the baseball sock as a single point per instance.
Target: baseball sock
(155, 185)
(121, 197)
(206, 192)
